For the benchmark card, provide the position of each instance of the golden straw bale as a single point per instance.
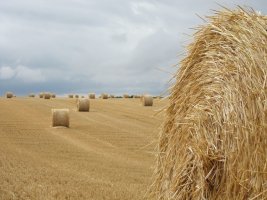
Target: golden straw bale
(104, 96)
(83, 105)
(46, 95)
(91, 95)
(76, 96)
(53, 95)
(147, 100)
(60, 117)
(125, 96)
(41, 95)
(70, 95)
(213, 144)
(9, 95)
(31, 95)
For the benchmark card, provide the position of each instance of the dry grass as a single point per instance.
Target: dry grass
(214, 140)
(105, 154)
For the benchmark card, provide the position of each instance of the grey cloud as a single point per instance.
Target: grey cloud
(111, 46)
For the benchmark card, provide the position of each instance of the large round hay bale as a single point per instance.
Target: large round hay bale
(70, 95)
(46, 95)
(104, 96)
(91, 95)
(41, 94)
(125, 96)
(60, 117)
(83, 105)
(76, 96)
(9, 95)
(213, 144)
(53, 95)
(147, 100)
(32, 95)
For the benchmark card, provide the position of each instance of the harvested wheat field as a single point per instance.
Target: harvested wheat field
(106, 153)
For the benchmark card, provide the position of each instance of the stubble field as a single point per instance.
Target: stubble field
(107, 153)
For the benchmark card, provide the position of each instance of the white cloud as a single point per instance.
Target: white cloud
(22, 74)
(29, 75)
(6, 72)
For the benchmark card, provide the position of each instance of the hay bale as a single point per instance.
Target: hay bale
(213, 142)
(104, 96)
(83, 105)
(60, 117)
(31, 95)
(41, 95)
(9, 95)
(70, 96)
(76, 96)
(147, 100)
(53, 95)
(46, 95)
(112, 96)
(125, 96)
(91, 95)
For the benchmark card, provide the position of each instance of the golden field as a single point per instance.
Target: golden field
(107, 153)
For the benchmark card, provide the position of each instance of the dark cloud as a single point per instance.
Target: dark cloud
(113, 46)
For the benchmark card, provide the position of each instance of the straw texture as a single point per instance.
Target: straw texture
(83, 105)
(60, 117)
(9, 95)
(46, 95)
(104, 96)
(91, 96)
(147, 100)
(213, 144)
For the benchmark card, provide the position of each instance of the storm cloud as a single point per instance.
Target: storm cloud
(112, 46)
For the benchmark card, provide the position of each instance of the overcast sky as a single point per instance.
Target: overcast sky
(113, 46)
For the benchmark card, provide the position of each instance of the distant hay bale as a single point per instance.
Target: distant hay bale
(112, 96)
(91, 95)
(104, 96)
(125, 96)
(60, 117)
(41, 95)
(9, 95)
(147, 100)
(83, 105)
(76, 96)
(46, 95)
(53, 95)
(31, 95)
(213, 144)
(70, 95)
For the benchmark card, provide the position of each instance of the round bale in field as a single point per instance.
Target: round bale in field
(147, 100)
(91, 95)
(104, 96)
(213, 144)
(53, 95)
(9, 95)
(41, 95)
(31, 95)
(83, 105)
(47, 95)
(125, 96)
(60, 117)
(76, 96)
(70, 96)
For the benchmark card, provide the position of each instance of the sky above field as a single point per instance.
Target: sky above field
(113, 46)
